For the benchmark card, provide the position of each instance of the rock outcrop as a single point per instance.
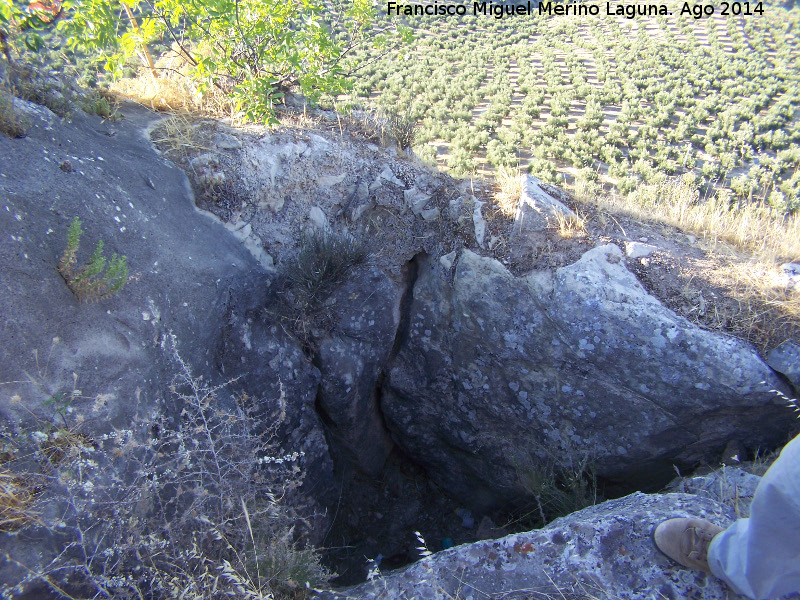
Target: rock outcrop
(785, 359)
(499, 375)
(484, 378)
(493, 377)
(193, 281)
(537, 212)
(604, 551)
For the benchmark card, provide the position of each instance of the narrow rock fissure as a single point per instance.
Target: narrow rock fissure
(410, 274)
(374, 520)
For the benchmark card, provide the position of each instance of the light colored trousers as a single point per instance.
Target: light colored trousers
(759, 557)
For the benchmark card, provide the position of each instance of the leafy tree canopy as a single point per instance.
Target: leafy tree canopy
(253, 49)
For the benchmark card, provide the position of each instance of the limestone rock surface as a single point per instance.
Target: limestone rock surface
(785, 359)
(537, 211)
(605, 551)
(498, 376)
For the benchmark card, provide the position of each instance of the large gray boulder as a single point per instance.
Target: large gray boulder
(604, 551)
(499, 377)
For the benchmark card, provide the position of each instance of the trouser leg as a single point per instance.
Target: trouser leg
(759, 557)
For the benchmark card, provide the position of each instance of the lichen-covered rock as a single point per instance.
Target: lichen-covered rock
(730, 486)
(605, 551)
(351, 359)
(498, 376)
(785, 359)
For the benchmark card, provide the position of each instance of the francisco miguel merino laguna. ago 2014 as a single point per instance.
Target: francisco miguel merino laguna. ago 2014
(498, 11)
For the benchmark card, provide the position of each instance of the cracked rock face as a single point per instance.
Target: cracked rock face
(351, 359)
(497, 376)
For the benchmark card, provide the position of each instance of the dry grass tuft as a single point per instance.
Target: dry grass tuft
(767, 311)
(17, 496)
(570, 225)
(179, 136)
(752, 227)
(509, 183)
(173, 91)
(12, 122)
(63, 444)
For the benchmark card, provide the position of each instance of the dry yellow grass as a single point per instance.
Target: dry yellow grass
(751, 227)
(173, 90)
(64, 443)
(509, 190)
(17, 495)
(768, 312)
(750, 242)
(570, 226)
(178, 136)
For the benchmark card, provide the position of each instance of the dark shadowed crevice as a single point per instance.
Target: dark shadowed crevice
(377, 516)
(409, 277)
(410, 274)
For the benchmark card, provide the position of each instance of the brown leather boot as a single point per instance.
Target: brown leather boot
(686, 541)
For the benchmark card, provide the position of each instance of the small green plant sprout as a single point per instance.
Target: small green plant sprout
(97, 280)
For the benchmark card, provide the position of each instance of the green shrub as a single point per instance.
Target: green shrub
(99, 105)
(254, 51)
(97, 280)
(403, 129)
(322, 264)
(627, 184)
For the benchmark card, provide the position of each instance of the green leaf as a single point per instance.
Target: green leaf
(6, 10)
(250, 44)
(34, 42)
